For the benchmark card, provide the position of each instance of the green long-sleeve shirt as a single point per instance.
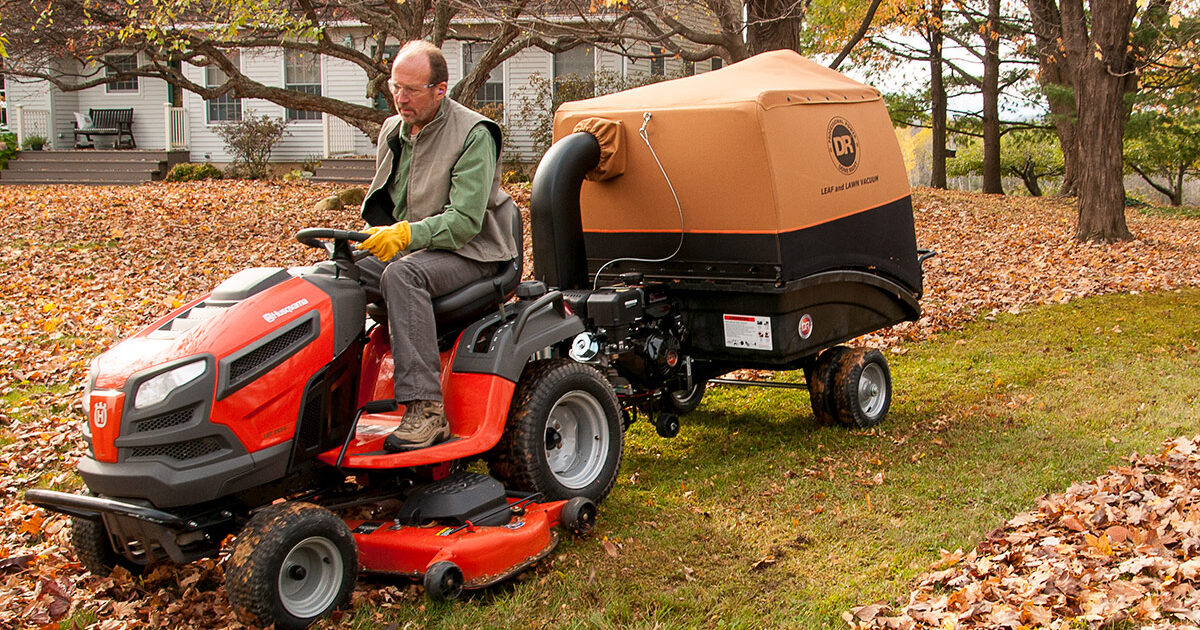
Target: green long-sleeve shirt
(470, 185)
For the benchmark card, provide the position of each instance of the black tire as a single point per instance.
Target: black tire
(579, 516)
(820, 384)
(564, 437)
(862, 388)
(684, 400)
(667, 425)
(94, 548)
(292, 564)
(443, 582)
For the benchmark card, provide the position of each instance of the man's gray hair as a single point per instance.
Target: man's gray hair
(437, 62)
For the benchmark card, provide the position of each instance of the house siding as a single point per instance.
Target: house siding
(518, 91)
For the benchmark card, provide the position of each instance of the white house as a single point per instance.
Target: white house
(168, 118)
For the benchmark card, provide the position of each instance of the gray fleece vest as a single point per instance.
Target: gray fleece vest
(436, 150)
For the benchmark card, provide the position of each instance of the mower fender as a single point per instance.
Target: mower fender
(538, 324)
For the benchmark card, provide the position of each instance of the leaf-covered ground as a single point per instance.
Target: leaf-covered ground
(1124, 548)
(86, 266)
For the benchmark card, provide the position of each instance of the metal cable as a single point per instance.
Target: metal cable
(678, 207)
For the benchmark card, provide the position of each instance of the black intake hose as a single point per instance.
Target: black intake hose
(559, 258)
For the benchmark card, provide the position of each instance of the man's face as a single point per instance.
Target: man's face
(415, 99)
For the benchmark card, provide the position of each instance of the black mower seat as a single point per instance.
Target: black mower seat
(455, 310)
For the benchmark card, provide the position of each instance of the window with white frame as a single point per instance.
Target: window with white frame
(224, 108)
(492, 91)
(579, 61)
(302, 73)
(116, 64)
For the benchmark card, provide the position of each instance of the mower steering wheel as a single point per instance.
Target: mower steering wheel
(316, 237)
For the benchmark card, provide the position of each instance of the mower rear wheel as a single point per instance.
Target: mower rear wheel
(820, 380)
(564, 436)
(94, 548)
(862, 388)
(292, 564)
(443, 582)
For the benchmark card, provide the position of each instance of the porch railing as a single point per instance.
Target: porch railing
(31, 122)
(176, 120)
(337, 136)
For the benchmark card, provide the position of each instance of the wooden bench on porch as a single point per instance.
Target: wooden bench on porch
(107, 122)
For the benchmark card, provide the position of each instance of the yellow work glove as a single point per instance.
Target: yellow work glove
(386, 240)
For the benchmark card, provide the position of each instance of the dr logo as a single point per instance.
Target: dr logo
(843, 145)
(806, 326)
(100, 415)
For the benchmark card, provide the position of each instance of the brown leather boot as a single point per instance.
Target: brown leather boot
(423, 425)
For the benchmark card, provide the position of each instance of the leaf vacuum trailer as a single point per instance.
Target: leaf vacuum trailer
(752, 217)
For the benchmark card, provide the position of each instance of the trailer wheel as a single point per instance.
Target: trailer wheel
(684, 400)
(862, 388)
(292, 564)
(820, 380)
(443, 582)
(94, 549)
(564, 436)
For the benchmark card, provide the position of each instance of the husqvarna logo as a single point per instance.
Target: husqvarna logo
(100, 414)
(274, 315)
(843, 145)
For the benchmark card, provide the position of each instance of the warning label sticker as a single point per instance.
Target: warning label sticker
(748, 331)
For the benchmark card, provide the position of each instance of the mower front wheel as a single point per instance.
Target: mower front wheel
(292, 564)
(93, 547)
(564, 436)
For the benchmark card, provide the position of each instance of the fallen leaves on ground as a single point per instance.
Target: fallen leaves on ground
(87, 266)
(1119, 549)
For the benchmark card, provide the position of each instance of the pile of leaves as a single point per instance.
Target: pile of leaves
(1005, 254)
(87, 266)
(1122, 548)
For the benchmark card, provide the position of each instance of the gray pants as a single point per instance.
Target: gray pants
(408, 285)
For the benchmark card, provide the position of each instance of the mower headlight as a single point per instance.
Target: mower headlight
(156, 390)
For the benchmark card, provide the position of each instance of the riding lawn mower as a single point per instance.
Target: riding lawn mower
(756, 216)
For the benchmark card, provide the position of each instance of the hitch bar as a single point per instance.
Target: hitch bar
(747, 383)
(91, 508)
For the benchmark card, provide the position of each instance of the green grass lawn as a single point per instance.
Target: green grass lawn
(755, 517)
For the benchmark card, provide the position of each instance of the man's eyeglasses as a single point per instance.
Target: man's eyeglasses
(407, 90)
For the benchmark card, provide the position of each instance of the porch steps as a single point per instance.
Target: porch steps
(88, 166)
(345, 170)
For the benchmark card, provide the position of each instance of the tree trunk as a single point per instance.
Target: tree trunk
(937, 96)
(1054, 75)
(1101, 105)
(1177, 187)
(1029, 176)
(1097, 45)
(774, 25)
(991, 103)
